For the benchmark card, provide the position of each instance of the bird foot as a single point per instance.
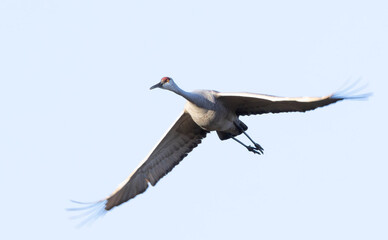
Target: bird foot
(259, 148)
(254, 150)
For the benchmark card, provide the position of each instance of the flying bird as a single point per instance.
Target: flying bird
(204, 112)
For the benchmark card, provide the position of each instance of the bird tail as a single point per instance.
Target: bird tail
(239, 129)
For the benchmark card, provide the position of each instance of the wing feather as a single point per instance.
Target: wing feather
(179, 140)
(251, 103)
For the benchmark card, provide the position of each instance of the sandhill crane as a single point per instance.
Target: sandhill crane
(204, 112)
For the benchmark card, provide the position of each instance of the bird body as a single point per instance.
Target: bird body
(210, 114)
(205, 111)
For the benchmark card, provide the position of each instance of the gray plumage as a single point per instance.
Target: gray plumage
(207, 111)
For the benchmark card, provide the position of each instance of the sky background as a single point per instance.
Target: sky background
(77, 116)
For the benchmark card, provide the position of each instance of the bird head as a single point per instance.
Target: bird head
(165, 83)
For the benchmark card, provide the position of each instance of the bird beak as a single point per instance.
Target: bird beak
(158, 85)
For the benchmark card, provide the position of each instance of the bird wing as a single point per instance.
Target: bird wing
(180, 139)
(252, 103)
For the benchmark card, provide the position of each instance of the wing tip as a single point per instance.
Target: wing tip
(352, 92)
(89, 212)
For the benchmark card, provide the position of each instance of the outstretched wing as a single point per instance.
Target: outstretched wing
(252, 103)
(179, 140)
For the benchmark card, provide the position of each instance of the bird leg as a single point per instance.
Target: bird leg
(257, 146)
(250, 148)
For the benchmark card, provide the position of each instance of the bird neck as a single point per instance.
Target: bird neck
(194, 98)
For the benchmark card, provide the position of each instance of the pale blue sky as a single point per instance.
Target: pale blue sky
(77, 117)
